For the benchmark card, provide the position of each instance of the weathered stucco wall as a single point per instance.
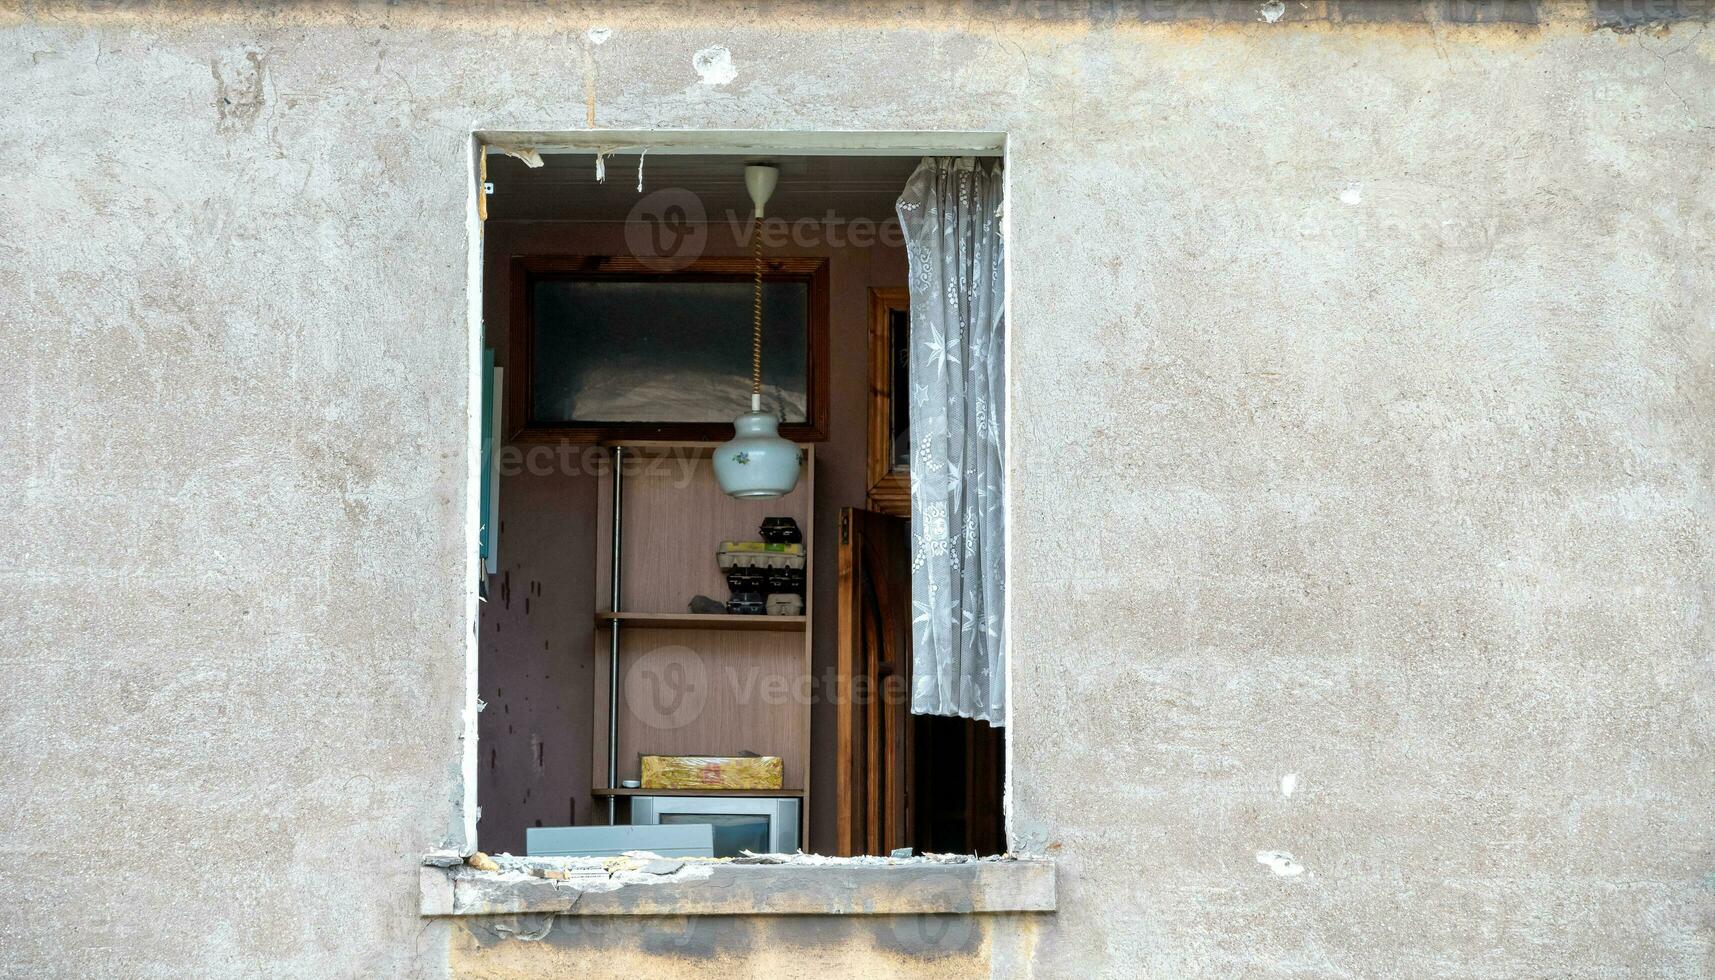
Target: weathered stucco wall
(1361, 422)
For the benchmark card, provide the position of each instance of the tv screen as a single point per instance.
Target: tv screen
(734, 832)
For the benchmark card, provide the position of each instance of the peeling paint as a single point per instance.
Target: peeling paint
(1281, 863)
(1289, 784)
(1271, 11)
(240, 89)
(529, 156)
(599, 35)
(529, 928)
(714, 66)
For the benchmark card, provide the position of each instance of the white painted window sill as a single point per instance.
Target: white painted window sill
(814, 886)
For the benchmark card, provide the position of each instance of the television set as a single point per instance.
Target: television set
(759, 824)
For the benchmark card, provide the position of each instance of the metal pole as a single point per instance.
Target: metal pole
(613, 640)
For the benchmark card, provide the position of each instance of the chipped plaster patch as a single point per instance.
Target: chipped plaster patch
(598, 35)
(531, 157)
(529, 928)
(242, 89)
(1289, 784)
(1271, 11)
(1281, 863)
(1353, 194)
(714, 65)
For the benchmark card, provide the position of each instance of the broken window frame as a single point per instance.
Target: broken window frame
(462, 837)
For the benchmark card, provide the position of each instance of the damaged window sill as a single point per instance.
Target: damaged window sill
(797, 885)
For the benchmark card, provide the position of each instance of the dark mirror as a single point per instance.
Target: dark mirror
(609, 350)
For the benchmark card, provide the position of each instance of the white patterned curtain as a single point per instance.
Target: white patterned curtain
(950, 213)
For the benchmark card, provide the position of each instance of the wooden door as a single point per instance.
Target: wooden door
(874, 764)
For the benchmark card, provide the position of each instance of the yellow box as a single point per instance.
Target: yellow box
(712, 772)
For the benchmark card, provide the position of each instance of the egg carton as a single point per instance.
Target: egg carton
(746, 604)
(759, 555)
(785, 604)
(780, 530)
(766, 580)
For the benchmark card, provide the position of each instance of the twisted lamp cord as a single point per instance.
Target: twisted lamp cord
(756, 311)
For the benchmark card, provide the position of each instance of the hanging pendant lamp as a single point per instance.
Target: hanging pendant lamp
(756, 463)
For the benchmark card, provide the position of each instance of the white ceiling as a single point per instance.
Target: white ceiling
(565, 188)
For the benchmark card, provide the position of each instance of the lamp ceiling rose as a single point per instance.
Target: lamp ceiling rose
(760, 180)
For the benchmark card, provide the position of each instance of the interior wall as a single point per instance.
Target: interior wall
(535, 670)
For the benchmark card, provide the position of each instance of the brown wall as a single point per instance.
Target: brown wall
(535, 670)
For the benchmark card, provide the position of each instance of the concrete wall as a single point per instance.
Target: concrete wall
(1361, 432)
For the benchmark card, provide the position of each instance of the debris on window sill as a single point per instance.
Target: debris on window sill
(641, 883)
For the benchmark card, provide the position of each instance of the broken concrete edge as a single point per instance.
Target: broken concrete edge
(783, 885)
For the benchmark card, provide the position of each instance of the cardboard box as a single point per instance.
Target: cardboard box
(712, 772)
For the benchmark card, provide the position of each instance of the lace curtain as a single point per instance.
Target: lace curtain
(950, 212)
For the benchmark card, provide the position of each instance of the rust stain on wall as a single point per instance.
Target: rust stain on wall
(927, 946)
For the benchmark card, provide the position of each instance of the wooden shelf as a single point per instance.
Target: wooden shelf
(674, 518)
(628, 791)
(704, 621)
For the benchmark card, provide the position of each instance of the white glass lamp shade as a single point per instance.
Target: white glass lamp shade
(756, 463)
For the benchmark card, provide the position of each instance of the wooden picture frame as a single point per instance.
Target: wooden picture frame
(889, 485)
(527, 270)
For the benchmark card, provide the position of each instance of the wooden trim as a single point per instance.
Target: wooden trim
(712, 268)
(482, 185)
(527, 269)
(889, 489)
(703, 447)
(806, 733)
(520, 352)
(849, 837)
